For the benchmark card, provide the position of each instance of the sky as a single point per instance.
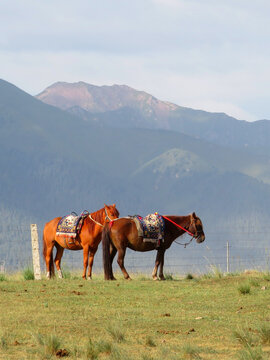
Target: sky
(204, 54)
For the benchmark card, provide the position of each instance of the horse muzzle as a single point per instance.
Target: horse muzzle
(200, 238)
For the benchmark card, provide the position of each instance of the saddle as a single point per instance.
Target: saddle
(150, 227)
(70, 225)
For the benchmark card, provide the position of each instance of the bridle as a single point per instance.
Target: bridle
(106, 218)
(194, 236)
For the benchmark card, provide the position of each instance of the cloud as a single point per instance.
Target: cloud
(195, 53)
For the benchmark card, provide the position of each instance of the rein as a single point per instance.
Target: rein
(190, 233)
(185, 244)
(165, 217)
(95, 221)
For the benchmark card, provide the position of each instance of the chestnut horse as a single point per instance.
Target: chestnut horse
(88, 239)
(122, 233)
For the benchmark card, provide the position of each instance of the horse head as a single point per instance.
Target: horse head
(196, 228)
(111, 212)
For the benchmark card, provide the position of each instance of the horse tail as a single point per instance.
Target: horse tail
(51, 265)
(106, 243)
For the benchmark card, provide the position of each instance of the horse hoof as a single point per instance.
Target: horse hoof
(155, 278)
(89, 278)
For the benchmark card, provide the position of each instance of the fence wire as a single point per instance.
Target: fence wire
(222, 250)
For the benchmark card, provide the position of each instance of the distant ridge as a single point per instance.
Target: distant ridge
(121, 106)
(104, 98)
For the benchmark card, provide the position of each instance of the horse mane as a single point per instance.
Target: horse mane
(98, 216)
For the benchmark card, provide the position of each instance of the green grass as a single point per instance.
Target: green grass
(191, 352)
(250, 353)
(3, 277)
(116, 333)
(264, 332)
(266, 276)
(28, 274)
(133, 320)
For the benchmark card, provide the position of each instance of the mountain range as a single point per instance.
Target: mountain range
(77, 146)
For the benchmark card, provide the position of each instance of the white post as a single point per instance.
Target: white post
(228, 257)
(35, 252)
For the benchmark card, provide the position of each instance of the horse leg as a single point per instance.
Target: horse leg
(113, 252)
(120, 260)
(85, 260)
(48, 260)
(157, 263)
(91, 261)
(57, 259)
(161, 275)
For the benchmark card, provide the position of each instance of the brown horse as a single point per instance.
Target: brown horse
(88, 239)
(123, 233)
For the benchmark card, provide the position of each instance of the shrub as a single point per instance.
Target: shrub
(28, 274)
(150, 342)
(244, 289)
(189, 276)
(168, 276)
(3, 343)
(3, 277)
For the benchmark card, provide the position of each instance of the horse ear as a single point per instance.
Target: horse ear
(113, 205)
(194, 215)
(105, 205)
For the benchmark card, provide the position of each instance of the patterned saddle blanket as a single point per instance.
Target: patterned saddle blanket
(150, 227)
(71, 225)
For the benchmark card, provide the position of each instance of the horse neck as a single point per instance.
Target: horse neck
(99, 215)
(183, 221)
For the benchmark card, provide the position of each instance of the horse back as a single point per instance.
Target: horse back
(123, 227)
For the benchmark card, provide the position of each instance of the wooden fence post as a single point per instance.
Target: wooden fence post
(35, 252)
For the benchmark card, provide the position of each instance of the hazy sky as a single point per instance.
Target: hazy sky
(205, 54)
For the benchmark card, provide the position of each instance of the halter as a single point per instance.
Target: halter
(106, 218)
(187, 231)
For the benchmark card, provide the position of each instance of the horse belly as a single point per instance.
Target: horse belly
(68, 242)
(137, 244)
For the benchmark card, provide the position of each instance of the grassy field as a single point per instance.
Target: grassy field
(208, 317)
